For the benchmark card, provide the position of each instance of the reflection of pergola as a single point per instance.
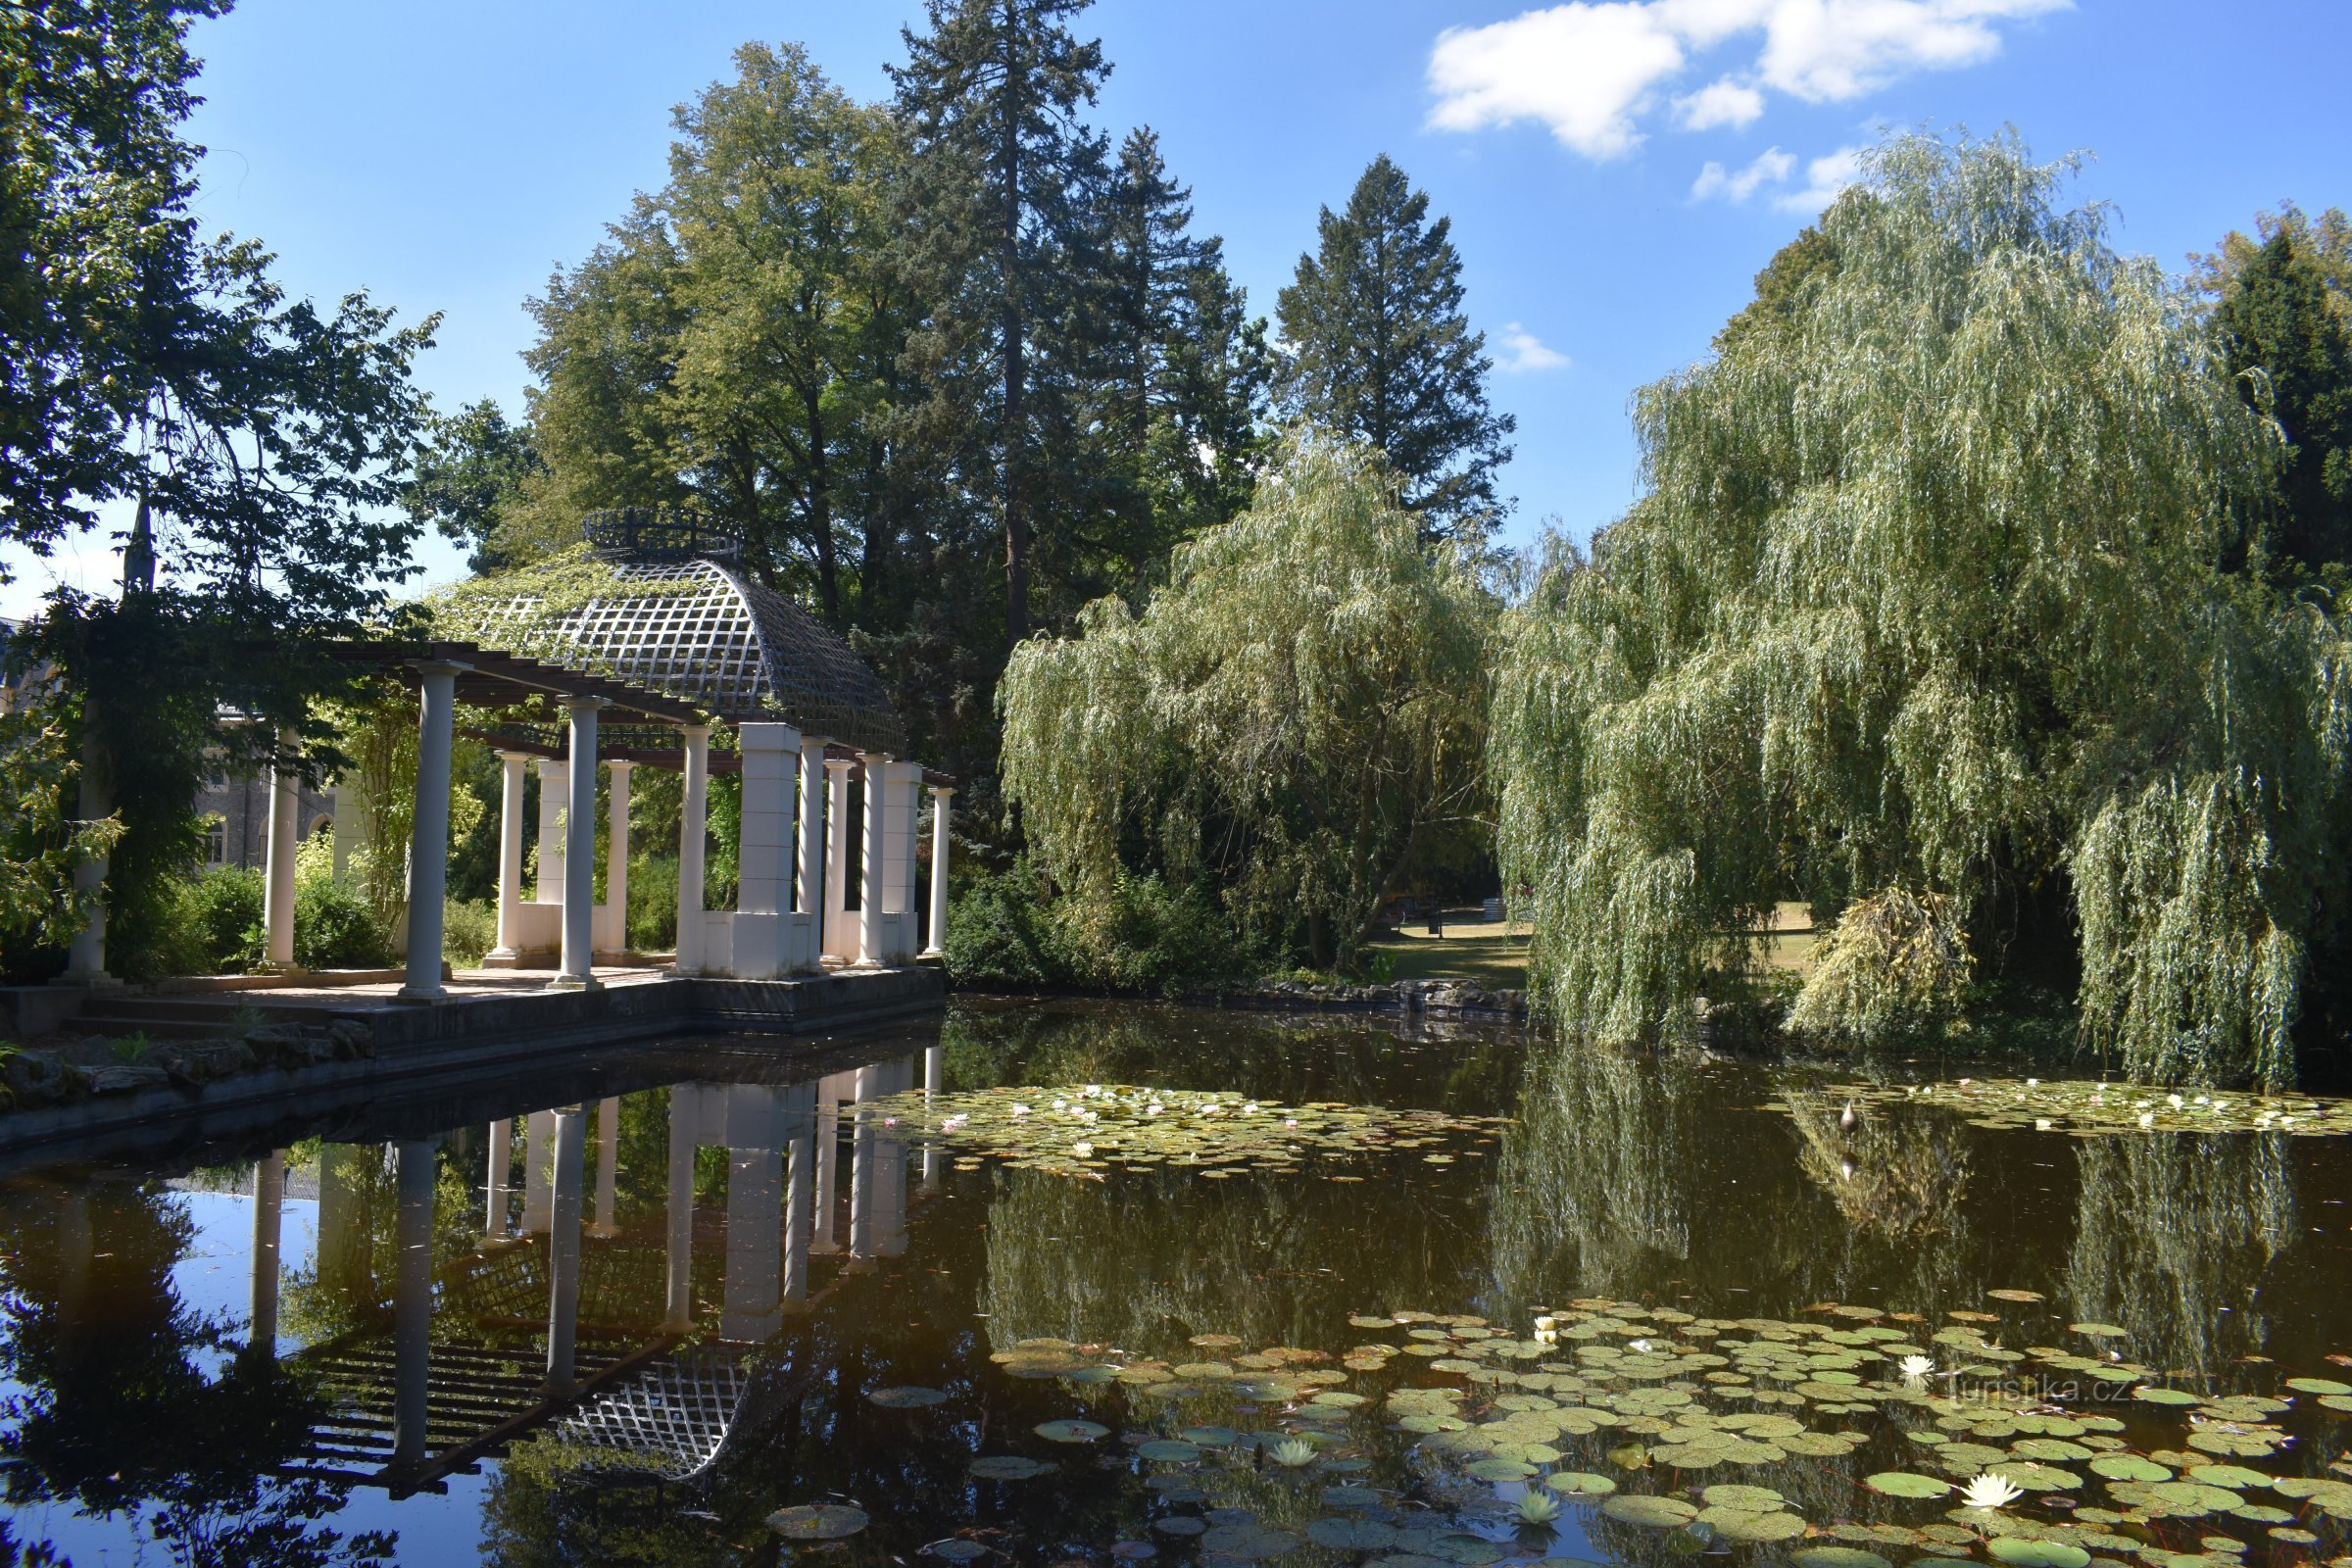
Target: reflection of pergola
(680, 643)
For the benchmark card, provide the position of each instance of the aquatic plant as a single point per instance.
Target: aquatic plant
(1536, 1508)
(1292, 1453)
(1991, 1490)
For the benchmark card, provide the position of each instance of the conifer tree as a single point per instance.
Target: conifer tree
(1379, 349)
(2275, 319)
(1005, 189)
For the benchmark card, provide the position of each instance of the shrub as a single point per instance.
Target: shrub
(1135, 935)
(222, 910)
(469, 931)
(335, 927)
(652, 920)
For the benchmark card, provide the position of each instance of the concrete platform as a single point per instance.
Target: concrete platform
(491, 1022)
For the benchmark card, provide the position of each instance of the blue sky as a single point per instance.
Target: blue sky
(1616, 173)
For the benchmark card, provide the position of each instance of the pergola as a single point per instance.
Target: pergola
(684, 645)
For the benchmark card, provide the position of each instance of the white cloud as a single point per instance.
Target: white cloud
(1528, 352)
(1825, 177)
(1583, 69)
(1719, 103)
(1589, 69)
(1770, 167)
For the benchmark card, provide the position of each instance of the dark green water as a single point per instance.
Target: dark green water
(1690, 1243)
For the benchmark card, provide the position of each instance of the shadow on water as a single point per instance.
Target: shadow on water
(624, 1312)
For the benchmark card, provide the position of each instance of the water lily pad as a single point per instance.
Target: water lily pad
(1009, 1467)
(1351, 1534)
(2100, 1331)
(1838, 1557)
(908, 1397)
(818, 1521)
(1071, 1430)
(1749, 1500)
(1180, 1524)
(2236, 1477)
(2318, 1385)
(2153, 1394)
(1580, 1484)
(1167, 1450)
(1904, 1483)
(1734, 1524)
(956, 1550)
(1211, 1437)
(1654, 1512)
(1499, 1469)
(1133, 1552)
(2128, 1467)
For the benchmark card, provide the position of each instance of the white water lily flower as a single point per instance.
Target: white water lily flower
(1292, 1453)
(1250, 1109)
(2033, 1083)
(1544, 1325)
(2147, 1118)
(1638, 1346)
(1990, 1489)
(2173, 1101)
(1082, 1150)
(1917, 1367)
(1021, 1109)
(1536, 1508)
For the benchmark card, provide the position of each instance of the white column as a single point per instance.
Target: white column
(752, 1291)
(86, 962)
(764, 899)
(811, 904)
(493, 1212)
(428, 842)
(939, 795)
(346, 805)
(935, 1154)
(871, 873)
(510, 855)
(616, 855)
(563, 1240)
(840, 940)
(607, 1165)
(694, 832)
(412, 1299)
(555, 789)
(268, 1207)
(278, 884)
(578, 972)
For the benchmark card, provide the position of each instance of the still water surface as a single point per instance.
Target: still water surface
(628, 1314)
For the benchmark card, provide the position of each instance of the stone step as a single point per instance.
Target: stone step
(98, 1021)
(217, 1015)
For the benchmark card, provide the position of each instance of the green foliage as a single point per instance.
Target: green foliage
(337, 927)
(42, 836)
(471, 471)
(469, 931)
(1294, 718)
(1928, 590)
(1896, 966)
(1135, 935)
(2290, 345)
(222, 912)
(1382, 350)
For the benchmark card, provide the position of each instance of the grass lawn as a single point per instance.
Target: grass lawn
(1473, 949)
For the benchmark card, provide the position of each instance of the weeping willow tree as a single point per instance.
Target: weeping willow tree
(1294, 718)
(1938, 595)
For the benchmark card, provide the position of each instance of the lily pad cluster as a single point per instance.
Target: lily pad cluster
(1089, 1129)
(2090, 1108)
(1851, 1436)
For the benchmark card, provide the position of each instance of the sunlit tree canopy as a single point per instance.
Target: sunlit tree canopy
(1929, 593)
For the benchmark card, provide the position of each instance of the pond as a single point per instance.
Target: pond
(1090, 1284)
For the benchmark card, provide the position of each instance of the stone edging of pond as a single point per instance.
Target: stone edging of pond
(1440, 997)
(33, 1079)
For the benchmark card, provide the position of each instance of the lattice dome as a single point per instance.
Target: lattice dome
(707, 634)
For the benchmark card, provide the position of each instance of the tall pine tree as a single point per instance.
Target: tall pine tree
(2276, 317)
(1379, 349)
(1184, 369)
(1001, 228)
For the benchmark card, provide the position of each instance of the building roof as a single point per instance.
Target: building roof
(706, 633)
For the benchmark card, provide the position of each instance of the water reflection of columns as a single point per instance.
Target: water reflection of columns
(412, 1299)
(890, 1171)
(679, 1213)
(829, 1155)
(750, 1307)
(268, 1207)
(800, 1131)
(494, 1213)
(861, 1171)
(538, 1162)
(607, 1159)
(935, 1069)
(564, 1248)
